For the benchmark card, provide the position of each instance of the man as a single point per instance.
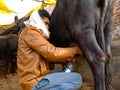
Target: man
(34, 53)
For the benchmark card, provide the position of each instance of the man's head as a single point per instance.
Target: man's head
(45, 17)
(39, 19)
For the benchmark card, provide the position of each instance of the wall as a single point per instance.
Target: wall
(116, 19)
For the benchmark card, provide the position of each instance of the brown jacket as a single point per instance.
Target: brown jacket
(34, 53)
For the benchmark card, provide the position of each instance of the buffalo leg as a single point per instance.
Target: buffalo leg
(94, 55)
(107, 35)
(97, 65)
(108, 74)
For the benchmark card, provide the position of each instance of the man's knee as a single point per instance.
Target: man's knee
(77, 81)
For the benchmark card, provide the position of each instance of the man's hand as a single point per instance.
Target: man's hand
(78, 50)
(71, 59)
(74, 58)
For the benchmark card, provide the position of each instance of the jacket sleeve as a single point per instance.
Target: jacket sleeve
(40, 44)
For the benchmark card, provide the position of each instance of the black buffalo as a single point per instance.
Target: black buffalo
(9, 43)
(8, 51)
(88, 23)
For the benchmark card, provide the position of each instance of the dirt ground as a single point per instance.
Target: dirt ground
(10, 82)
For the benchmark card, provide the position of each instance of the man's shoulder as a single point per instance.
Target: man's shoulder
(31, 30)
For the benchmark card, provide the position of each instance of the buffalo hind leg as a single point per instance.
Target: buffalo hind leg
(97, 65)
(108, 73)
(98, 74)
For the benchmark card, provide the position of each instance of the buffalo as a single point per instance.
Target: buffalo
(8, 51)
(88, 24)
(9, 44)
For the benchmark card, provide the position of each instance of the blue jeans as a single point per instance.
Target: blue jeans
(59, 81)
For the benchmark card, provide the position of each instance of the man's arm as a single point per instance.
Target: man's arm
(36, 41)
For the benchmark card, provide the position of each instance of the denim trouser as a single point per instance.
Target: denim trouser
(59, 81)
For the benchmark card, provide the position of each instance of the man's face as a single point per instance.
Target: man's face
(46, 22)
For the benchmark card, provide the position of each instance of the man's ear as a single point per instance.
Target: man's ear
(16, 19)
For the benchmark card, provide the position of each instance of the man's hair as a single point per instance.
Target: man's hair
(43, 13)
